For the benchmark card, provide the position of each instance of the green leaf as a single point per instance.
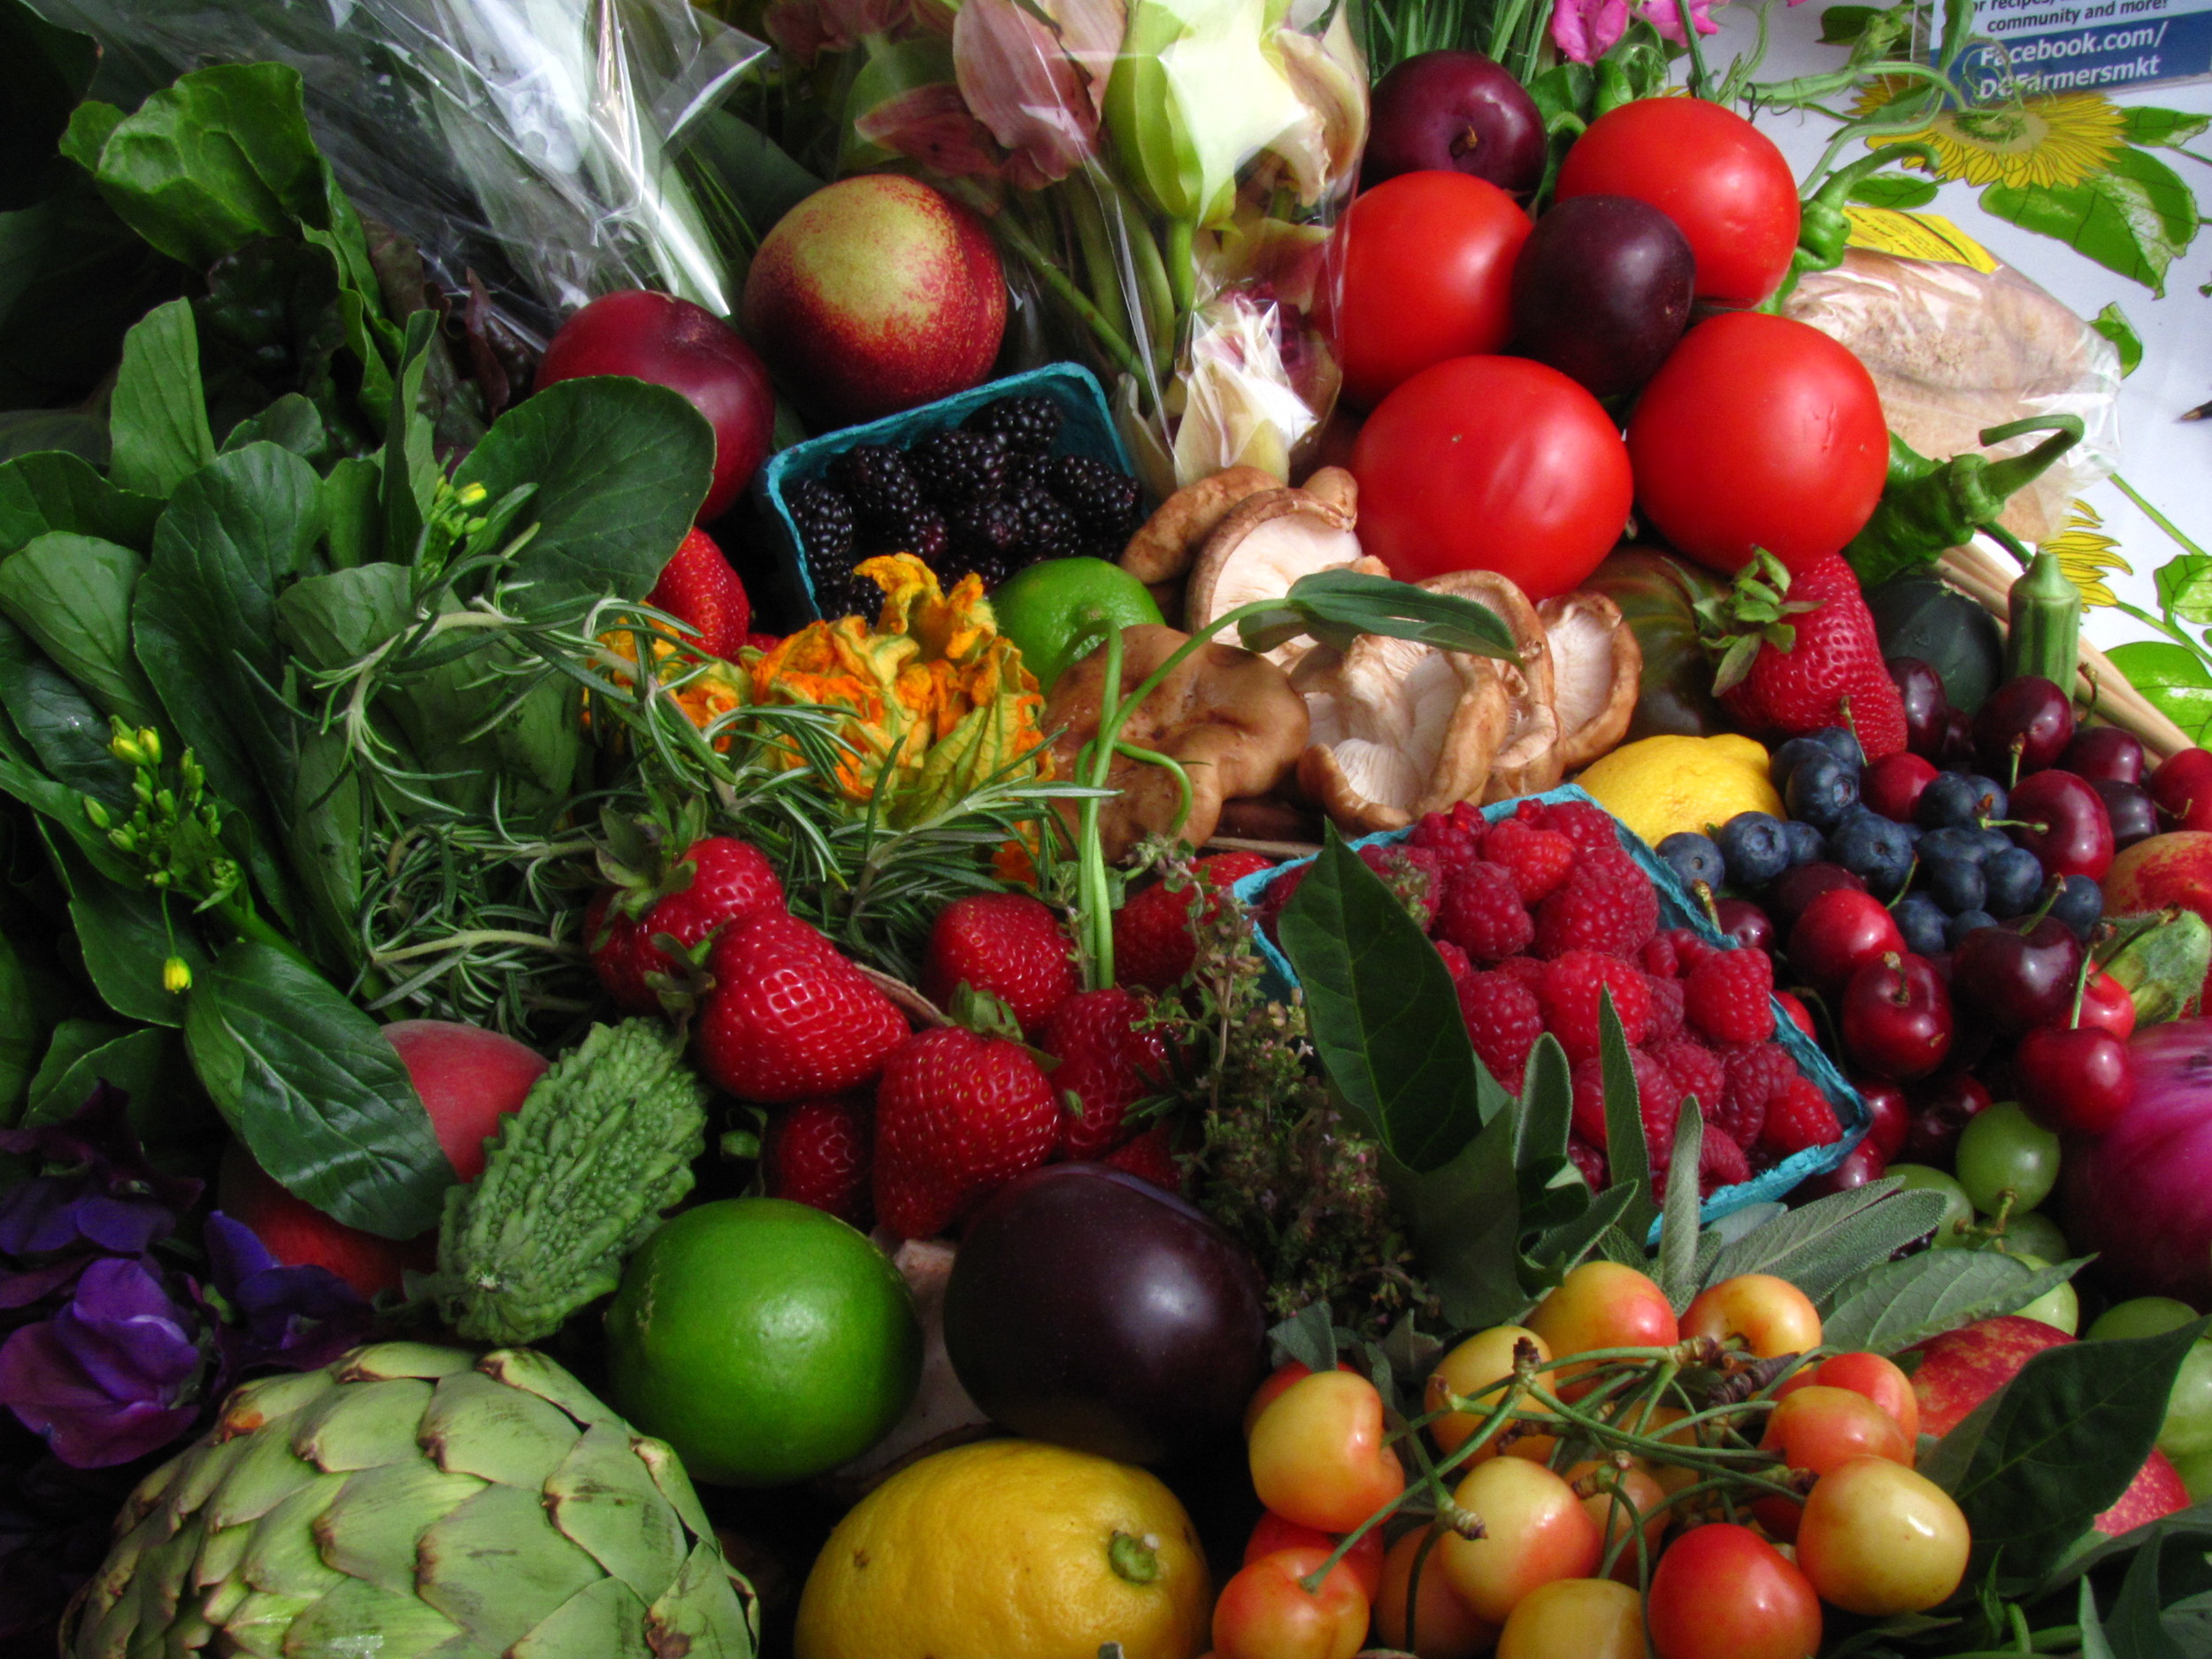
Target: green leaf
(1465, 1219)
(91, 124)
(1337, 606)
(221, 158)
(166, 1109)
(292, 422)
(2134, 216)
(2174, 680)
(2055, 1448)
(2112, 323)
(1899, 1303)
(762, 180)
(1385, 1019)
(2140, 124)
(55, 490)
(316, 1091)
(620, 469)
(410, 475)
(350, 528)
(1894, 190)
(1840, 26)
(2185, 587)
(29, 1002)
(1820, 1246)
(157, 418)
(58, 722)
(1628, 1160)
(72, 594)
(1677, 1220)
(125, 939)
(71, 1041)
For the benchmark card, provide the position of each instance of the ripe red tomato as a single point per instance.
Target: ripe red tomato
(1492, 464)
(1710, 171)
(1425, 267)
(1759, 432)
(1722, 1592)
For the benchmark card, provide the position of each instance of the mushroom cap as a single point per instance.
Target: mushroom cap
(1528, 760)
(1596, 669)
(1165, 543)
(1232, 719)
(1399, 729)
(1266, 543)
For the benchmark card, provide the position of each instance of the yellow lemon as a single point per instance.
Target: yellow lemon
(1009, 1549)
(1665, 784)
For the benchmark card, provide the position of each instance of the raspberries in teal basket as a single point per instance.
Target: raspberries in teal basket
(1540, 914)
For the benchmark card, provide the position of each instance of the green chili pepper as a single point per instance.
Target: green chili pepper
(1928, 505)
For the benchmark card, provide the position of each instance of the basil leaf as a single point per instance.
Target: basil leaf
(72, 594)
(157, 416)
(316, 1091)
(55, 490)
(620, 469)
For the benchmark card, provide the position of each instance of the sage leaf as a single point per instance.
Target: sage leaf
(1899, 1303)
(1628, 1161)
(1677, 1218)
(1833, 1238)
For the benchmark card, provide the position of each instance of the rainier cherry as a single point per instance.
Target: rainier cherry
(1478, 1370)
(1603, 1305)
(1772, 1315)
(1318, 1456)
(1878, 1539)
(1534, 1530)
(1445, 1626)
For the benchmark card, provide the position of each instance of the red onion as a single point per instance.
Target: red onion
(2140, 1195)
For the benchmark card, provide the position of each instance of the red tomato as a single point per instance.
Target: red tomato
(1708, 170)
(1722, 1592)
(1758, 432)
(1492, 464)
(1425, 268)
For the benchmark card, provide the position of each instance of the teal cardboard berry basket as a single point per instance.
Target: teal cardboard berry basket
(1675, 910)
(1086, 428)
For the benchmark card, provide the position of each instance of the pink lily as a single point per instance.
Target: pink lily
(803, 30)
(1038, 92)
(933, 125)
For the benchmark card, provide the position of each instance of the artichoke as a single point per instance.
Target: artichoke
(416, 1501)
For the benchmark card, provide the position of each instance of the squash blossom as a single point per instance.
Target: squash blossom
(938, 701)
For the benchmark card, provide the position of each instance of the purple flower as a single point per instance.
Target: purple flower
(1585, 30)
(110, 1376)
(293, 1317)
(96, 1190)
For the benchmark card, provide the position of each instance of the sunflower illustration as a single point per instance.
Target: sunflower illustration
(2087, 554)
(2056, 140)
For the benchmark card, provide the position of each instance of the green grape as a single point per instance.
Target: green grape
(2033, 1234)
(2187, 1432)
(2146, 1315)
(2002, 1150)
(2058, 1306)
(1958, 1209)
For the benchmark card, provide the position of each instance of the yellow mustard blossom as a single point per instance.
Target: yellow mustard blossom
(2056, 139)
(2086, 554)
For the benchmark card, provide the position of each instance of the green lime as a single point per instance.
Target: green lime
(1055, 610)
(766, 1340)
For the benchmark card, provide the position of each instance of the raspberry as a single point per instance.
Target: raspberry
(1482, 914)
(1729, 997)
(1527, 969)
(1504, 1019)
(1658, 1102)
(1539, 860)
(1657, 956)
(1666, 1009)
(1697, 1070)
(1798, 1115)
(1720, 1163)
(1607, 905)
(1571, 988)
(1456, 964)
(1591, 828)
(1690, 947)
(1754, 1074)
(1588, 1162)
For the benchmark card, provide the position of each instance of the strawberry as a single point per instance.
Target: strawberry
(817, 1153)
(1107, 1064)
(959, 1114)
(1154, 945)
(699, 587)
(1009, 944)
(719, 880)
(786, 1017)
(1150, 1157)
(1798, 653)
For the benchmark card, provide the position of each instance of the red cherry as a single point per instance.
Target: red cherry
(2029, 718)
(2074, 1080)
(2108, 1005)
(2182, 786)
(1896, 1016)
(1862, 1164)
(1920, 688)
(1888, 1115)
(1794, 889)
(2018, 977)
(2062, 820)
(1892, 784)
(1839, 931)
(1957, 747)
(2109, 752)
(1745, 923)
(1799, 1014)
(1941, 1107)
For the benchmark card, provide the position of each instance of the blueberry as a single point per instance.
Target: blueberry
(1963, 925)
(1695, 858)
(1807, 845)
(1843, 743)
(2080, 903)
(1964, 845)
(1958, 799)
(1755, 847)
(1869, 845)
(1991, 842)
(2015, 877)
(1790, 756)
(1923, 924)
(1956, 883)
(1821, 789)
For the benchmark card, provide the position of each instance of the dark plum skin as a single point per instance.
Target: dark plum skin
(1091, 1309)
(1601, 291)
(1455, 112)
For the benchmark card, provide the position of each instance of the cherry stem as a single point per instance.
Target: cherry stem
(2081, 979)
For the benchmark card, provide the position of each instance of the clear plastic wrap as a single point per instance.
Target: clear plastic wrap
(1954, 349)
(1166, 171)
(534, 142)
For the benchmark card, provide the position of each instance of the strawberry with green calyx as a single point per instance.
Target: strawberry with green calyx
(701, 590)
(783, 1017)
(1795, 654)
(646, 927)
(961, 1110)
(1009, 944)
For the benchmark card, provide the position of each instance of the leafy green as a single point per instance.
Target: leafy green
(2173, 678)
(1628, 1159)
(1820, 1246)
(576, 1181)
(126, 938)
(29, 1002)
(166, 1108)
(61, 727)
(1898, 1303)
(2112, 323)
(72, 594)
(158, 420)
(316, 1091)
(1337, 606)
(54, 490)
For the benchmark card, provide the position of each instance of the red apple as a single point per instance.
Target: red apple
(468, 1078)
(2175, 868)
(687, 349)
(876, 294)
(1961, 1369)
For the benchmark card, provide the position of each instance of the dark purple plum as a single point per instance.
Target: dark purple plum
(2133, 813)
(1921, 690)
(1455, 112)
(1601, 291)
(1093, 1310)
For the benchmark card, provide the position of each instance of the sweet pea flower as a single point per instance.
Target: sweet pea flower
(96, 1191)
(294, 1319)
(1585, 30)
(1666, 17)
(110, 1376)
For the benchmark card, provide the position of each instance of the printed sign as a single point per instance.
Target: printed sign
(2049, 46)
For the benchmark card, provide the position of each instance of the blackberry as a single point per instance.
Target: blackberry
(921, 532)
(876, 480)
(956, 466)
(1103, 498)
(825, 519)
(987, 530)
(1029, 425)
(1049, 529)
